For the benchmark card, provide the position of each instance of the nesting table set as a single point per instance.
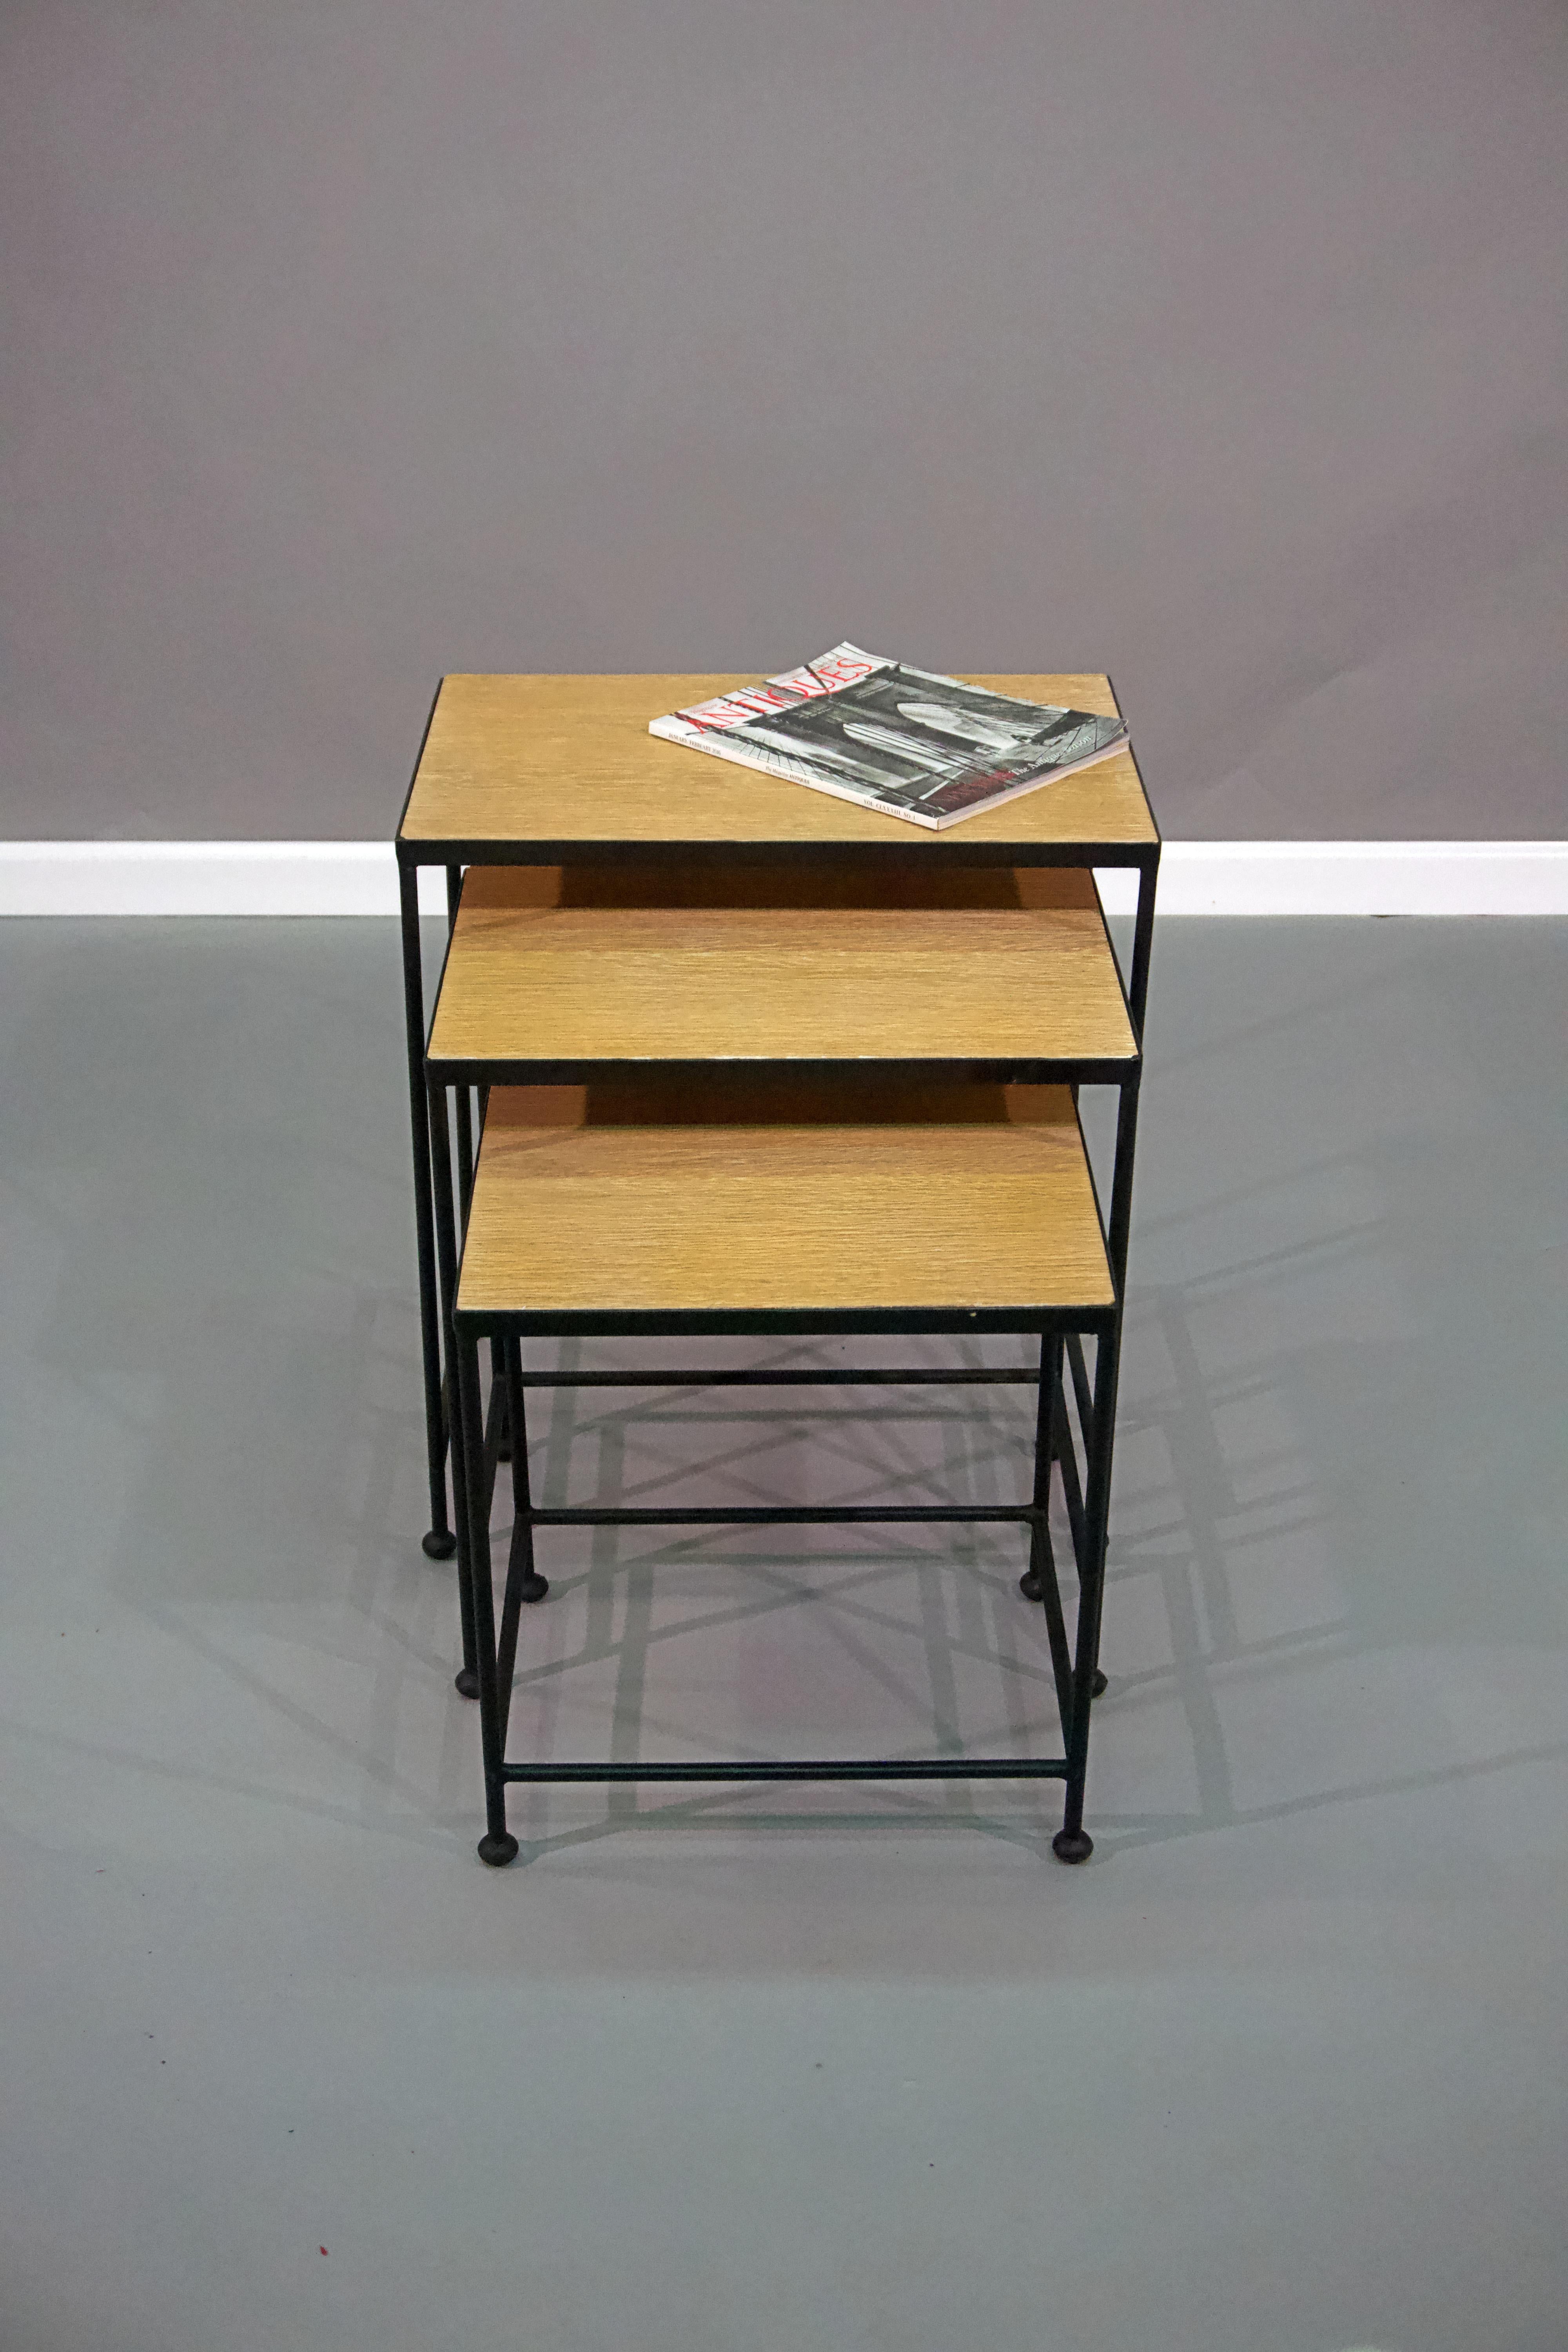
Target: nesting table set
(714, 1054)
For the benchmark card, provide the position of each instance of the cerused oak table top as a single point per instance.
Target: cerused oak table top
(563, 766)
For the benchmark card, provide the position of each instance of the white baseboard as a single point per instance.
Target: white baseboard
(206, 877)
(1353, 878)
(1196, 877)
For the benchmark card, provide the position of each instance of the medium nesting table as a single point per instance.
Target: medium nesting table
(720, 1026)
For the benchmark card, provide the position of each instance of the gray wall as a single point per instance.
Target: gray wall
(1217, 342)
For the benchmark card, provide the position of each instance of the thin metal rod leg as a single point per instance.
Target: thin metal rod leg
(1108, 1347)
(1072, 1491)
(464, 1106)
(1066, 1457)
(465, 1152)
(1072, 1842)
(499, 1395)
(1039, 1581)
(439, 1542)
(503, 1389)
(497, 1845)
(1082, 1395)
(524, 1581)
(446, 1259)
(1142, 942)
(494, 1421)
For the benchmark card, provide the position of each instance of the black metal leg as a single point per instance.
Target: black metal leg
(1072, 1491)
(502, 1390)
(1039, 1581)
(1066, 1459)
(495, 1409)
(1083, 1395)
(1143, 941)
(1040, 1584)
(1072, 1842)
(1120, 1228)
(524, 1581)
(499, 1397)
(465, 1153)
(446, 1258)
(439, 1542)
(534, 1586)
(465, 1114)
(497, 1845)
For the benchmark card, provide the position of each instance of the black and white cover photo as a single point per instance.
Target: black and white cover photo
(929, 749)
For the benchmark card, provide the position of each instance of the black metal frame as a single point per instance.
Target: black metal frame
(483, 1433)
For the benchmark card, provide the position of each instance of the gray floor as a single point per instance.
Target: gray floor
(1281, 2071)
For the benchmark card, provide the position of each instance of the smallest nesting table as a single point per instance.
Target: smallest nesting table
(621, 1216)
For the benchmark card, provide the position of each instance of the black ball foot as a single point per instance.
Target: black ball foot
(1030, 1586)
(1099, 1687)
(498, 1850)
(1072, 1845)
(467, 1682)
(533, 1587)
(439, 1544)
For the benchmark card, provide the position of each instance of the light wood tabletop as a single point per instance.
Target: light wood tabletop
(602, 1202)
(562, 765)
(563, 989)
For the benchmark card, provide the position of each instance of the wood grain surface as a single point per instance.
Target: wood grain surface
(578, 1209)
(562, 758)
(570, 984)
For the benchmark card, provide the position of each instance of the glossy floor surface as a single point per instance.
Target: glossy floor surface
(1284, 2069)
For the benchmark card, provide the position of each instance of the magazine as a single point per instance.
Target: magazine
(930, 750)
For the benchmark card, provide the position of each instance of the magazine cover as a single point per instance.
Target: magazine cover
(929, 749)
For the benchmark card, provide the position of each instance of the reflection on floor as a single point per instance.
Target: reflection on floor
(818, 2064)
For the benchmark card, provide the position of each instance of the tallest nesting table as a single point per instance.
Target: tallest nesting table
(674, 929)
